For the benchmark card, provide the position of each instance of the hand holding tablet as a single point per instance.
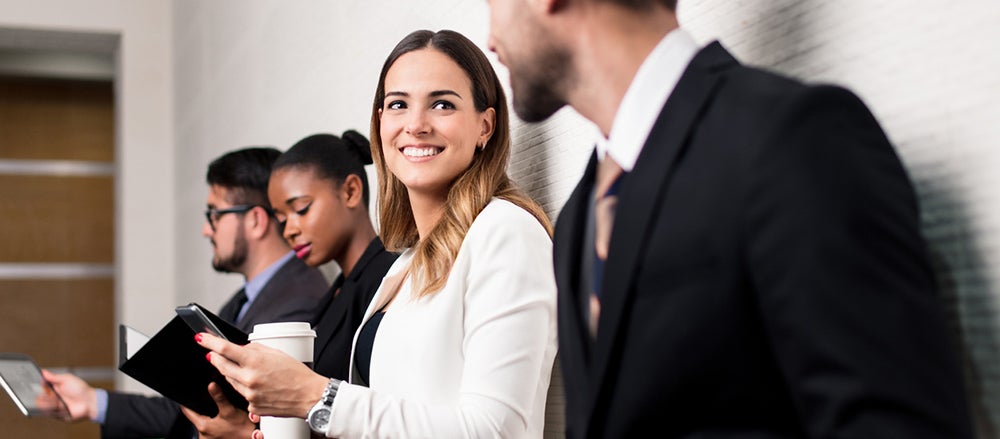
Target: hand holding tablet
(23, 381)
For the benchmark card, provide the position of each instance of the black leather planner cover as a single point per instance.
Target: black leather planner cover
(174, 365)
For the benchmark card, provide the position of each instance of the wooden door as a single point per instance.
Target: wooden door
(57, 236)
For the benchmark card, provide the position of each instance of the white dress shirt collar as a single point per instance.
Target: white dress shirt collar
(640, 107)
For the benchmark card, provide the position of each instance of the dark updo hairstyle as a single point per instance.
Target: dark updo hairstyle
(331, 157)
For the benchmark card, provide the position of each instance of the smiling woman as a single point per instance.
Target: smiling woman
(439, 89)
(460, 338)
(430, 126)
(468, 307)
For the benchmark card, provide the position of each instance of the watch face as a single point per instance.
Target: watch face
(319, 419)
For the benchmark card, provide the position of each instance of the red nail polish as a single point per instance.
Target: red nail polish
(208, 357)
(197, 337)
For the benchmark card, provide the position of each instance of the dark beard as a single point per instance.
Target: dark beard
(537, 90)
(236, 259)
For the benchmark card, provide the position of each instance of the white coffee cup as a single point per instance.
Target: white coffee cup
(295, 339)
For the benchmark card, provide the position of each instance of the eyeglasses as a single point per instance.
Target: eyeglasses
(212, 215)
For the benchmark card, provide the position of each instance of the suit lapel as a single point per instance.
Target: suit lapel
(569, 241)
(270, 293)
(639, 194)
(327, 325)
(229, 309)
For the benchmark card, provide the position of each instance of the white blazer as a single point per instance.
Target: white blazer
(472, 360)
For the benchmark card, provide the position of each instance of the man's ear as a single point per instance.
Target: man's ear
(352, 191)
(258, 222)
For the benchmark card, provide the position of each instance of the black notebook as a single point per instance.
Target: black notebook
(173, 364)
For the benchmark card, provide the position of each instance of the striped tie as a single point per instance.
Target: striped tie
(609, 179)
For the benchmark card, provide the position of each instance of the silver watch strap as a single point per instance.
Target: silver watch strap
(330, 392)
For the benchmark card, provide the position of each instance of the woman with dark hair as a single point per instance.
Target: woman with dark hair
(318, 190)
(460, 338)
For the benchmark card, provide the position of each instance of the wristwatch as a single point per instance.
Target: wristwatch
(319, 416)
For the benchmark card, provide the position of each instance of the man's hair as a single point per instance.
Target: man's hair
(244, 173)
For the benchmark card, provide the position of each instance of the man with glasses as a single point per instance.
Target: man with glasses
(245, 239)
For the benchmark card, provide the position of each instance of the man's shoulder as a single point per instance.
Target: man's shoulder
(296, 273)
(757, 98)
(764, 85)
(292, 294)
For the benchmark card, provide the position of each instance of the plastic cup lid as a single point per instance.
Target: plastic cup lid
(282, 329)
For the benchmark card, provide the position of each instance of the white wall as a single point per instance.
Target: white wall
(144, 178)
(273, 72)
(929, 71)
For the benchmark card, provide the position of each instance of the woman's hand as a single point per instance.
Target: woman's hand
(274, 383)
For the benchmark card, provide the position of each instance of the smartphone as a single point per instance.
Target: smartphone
(198, 320)
(22, 379)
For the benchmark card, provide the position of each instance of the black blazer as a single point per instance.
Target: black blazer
(336, 325)
(291, 295)
(767, 276)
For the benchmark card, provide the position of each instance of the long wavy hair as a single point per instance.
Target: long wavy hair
(485, 179)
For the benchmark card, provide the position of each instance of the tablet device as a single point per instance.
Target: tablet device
(22, 379)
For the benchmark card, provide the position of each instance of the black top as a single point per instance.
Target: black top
(343, 312)
(366, 339)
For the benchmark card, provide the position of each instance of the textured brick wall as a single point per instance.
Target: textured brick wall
(929, 71)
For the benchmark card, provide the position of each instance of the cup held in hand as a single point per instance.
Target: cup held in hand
(295, 339)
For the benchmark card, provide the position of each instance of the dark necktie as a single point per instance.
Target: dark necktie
(609, 177)
(232, 311)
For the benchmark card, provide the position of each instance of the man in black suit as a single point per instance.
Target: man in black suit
(245, 239)
(743, 255)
